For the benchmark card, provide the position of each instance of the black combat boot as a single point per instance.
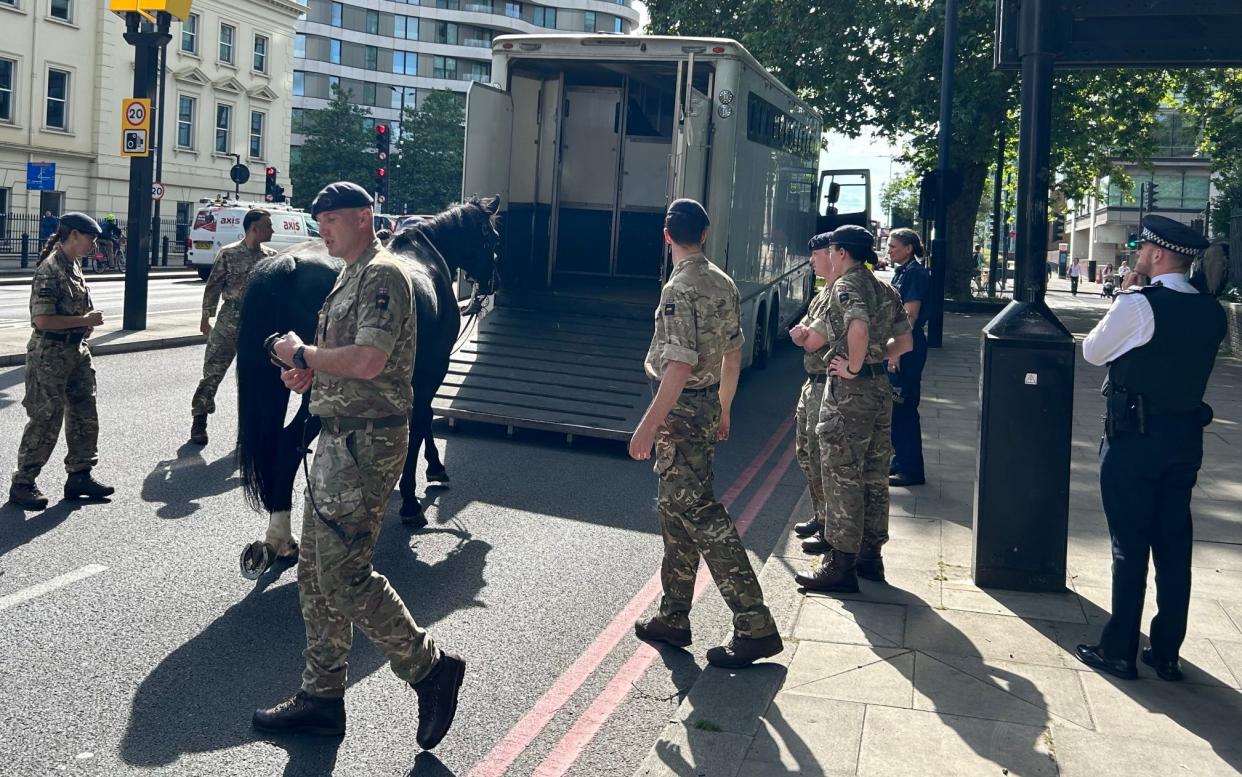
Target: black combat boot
(870, 566)
(81, 485)
(816, 545)
(27, 496)
(807, 528)
(656, 630)
(836, 574)
(304, 714)
(198, 430)
(740, 651)
(437, 699)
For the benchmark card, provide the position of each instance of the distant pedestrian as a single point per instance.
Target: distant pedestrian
(1159, 342)
(913, 283)
(867, 324)
(47, 226)
(1075, 274)
(60, 378)
(696, 356)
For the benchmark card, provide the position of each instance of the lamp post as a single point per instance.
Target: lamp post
(400, 123)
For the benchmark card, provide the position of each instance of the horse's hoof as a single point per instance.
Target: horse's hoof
(413, 517)
(439, 476)
(256, 559)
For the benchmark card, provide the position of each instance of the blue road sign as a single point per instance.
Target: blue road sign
(41, 176)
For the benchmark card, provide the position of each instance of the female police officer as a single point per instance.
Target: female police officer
(59, 375)
(912, 282)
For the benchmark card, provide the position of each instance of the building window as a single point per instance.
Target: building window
(373, 22)
(185, 121)
(336, 14)
(7, 69)
(452, 5)
(256, 135)
(299, 45)
(444, 67)
(368, 93)
(297, 121)
(589, 21)
(617, 26)
(334, 52)
(446, 32)
(479, 6)
(513, 9)
(62, 9)
(545, 17)
(57, 115)
(410, 95)
(224, 120)
(372, 57)
(227, 34)
(189, 34)
(260, 53)
(299, 83)
(479, 71)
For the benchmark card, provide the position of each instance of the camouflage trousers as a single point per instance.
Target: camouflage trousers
(60, 389)
(350, 481)
(806, 444)
(221, 348)
(694, 524)
(855, 422)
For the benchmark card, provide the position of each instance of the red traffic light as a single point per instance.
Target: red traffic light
(381, 172)
(381, 128)
(271, 171)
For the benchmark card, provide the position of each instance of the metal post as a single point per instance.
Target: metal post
(940, 240)
(997, 186)
(164, 263)
(25, 250)
(159, 155)
(146, 40)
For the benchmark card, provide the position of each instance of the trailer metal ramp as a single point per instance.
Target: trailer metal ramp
(551, 370)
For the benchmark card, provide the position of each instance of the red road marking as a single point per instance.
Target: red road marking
(593, 719)
(532, 724)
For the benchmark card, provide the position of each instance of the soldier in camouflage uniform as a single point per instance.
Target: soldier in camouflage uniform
(696, 357)
(60, 379)
(228, 279)
(359, 375)
(867, 324)
(811, 334)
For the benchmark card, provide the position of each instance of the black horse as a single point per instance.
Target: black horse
(286, 292)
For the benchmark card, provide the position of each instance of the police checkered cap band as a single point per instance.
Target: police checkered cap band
(1149, 236)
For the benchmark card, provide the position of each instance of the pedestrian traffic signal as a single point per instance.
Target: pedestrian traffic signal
(1133, 242)
(381, 141)
(1153, 191)
(272, 191)
(381, 184)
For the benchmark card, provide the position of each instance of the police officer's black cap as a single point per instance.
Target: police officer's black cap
(822, 240)
(851, 236)
(692, 211)
(1173, 235)
(81, 222)
(339, 196)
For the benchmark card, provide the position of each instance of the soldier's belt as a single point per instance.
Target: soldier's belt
(345, 424)
(689, 392)
(72, 338)
(817, 377)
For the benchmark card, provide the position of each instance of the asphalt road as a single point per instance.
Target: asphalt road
(164, 295)
(129, 644)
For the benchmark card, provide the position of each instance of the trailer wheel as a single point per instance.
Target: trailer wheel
(763, 341)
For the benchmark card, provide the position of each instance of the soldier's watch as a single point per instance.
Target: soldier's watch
(299, 358)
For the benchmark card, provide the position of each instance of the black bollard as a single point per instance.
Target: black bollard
(25, 250)
(164, 252)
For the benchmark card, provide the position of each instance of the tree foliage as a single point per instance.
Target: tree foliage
(338, 147)
(429, 155)
(1215, 97)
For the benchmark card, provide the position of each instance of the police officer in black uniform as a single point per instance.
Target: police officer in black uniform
(1159, 341)
(913, 283)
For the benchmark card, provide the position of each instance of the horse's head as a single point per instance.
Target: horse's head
(480, 218)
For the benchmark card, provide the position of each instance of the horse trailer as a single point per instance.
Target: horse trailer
(587, 138)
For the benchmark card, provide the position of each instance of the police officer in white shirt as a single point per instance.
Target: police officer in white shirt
(1159, 342)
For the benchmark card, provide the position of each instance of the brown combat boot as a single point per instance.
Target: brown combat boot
(81, 485)
(27, 496)
(807, 528)
(198, 430)
(835, 575)
(655, 630)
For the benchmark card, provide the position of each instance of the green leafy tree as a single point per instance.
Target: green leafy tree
(338, 147)
(1215, 98)
(900, 199)
(877, 63)
(429, 155)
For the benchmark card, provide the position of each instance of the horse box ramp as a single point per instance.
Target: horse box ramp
(553, 370)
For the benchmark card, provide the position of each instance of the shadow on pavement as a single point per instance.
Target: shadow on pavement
(429, 765)
(177, 484)
(17, 526)
(9, 379)
(200, 698)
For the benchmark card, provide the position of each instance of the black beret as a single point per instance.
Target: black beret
(822, 240)
(851, 236)
(338, 196)
(690, 210)
(1173, 235)
(81, 222)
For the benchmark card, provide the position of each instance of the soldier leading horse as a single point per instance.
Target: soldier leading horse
(285, 293)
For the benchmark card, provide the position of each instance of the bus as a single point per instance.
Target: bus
(587, 139)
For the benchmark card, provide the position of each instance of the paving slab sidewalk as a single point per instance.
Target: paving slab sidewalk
(164, 330)
(931, 675)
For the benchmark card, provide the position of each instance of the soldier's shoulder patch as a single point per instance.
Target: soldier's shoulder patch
(381, 298)
(844, 296)
(670, 308)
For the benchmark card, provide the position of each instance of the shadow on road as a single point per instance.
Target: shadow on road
(17, 527)
(179, 483)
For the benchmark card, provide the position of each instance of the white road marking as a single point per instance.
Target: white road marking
(35, 591)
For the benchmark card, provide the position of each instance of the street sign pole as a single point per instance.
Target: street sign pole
(158, 136)
(940, 240)
(147, 39)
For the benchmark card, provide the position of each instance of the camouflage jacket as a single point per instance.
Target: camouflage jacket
(816, 320)
(58, 288)
(371, 304)
(698, 321)
(230, 274)
(859, 295)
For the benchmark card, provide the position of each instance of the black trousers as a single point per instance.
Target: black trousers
(907, 433)
(1146, 482)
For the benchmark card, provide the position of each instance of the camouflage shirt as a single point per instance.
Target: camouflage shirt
(816, 320)
(698, 321)
(58, 288)
(371, 304)
(230, 273)
(859, 295)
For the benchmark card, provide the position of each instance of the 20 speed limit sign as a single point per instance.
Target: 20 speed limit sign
(135, 126)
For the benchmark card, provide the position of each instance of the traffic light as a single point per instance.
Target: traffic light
(1133, 242)
(272, 191)
(1058, 229)
(381, 185)
(381, 142)
(1153, 191)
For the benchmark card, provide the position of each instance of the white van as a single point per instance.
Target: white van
(219, 223)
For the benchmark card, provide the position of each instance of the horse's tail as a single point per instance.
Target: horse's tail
(261, 396)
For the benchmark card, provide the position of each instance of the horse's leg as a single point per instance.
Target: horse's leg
(279, 531)
(435, 468)
(411, 509)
